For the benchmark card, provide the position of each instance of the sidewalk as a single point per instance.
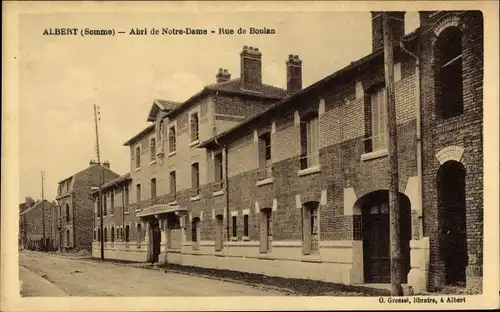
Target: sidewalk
(33, 285)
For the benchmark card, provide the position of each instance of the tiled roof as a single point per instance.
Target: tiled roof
(148, 129)
(116, 181)
(167, 105)
(234, 85)
(34, 206)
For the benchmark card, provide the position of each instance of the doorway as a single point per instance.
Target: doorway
(155, 240)
(376, 237)
(452, 222)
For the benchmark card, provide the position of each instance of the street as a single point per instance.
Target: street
(59, 276)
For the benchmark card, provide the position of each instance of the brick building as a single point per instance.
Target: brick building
(166, 152)
(301, 188)
(34, 221)
(75, 209)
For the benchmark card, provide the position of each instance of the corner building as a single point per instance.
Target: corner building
(297, 185)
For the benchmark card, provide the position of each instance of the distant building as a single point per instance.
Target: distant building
(34, 220)
(75, 207)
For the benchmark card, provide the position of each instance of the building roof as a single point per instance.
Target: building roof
(77, 175)
(117, 181)
(228, 87)
(273, 108)
(138, 136)
(37, 204)
(163, 105)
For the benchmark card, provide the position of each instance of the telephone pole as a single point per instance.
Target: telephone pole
(99, 198)
(43, 215)
(396, 289)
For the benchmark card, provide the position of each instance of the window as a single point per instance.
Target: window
(245, 225)
(105, 205)
(219, 228)
(309, 141)
(378, 105)
(449, 76)
(173, 182)
(153, 188)
(138, 192)
(68, 238)
(112, 234)
(67, 213)
(235, 229)
(152, 149)
(105, 234)
(99, 236)
(265, 230)
(127, 233)
(112, 203)
(265, 156)
(194, 127)
(95, 234)
(171, 139)
(195, 178)
(218, 172)
(137, 157)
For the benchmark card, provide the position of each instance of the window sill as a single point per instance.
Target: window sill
(194, 143)
(152, 162)
(234, 239)
(265, 181)
(172, 203)
(194, 198)
(137, 169)
(311, 258)
(105, 217)
(171, 153)
(111, 215)
(373, 155)
(138, 210)
(246, 238)
(126, 212)
(218, 193)
(310, 170)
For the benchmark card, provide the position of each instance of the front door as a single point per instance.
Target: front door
(156, 240)
(376, 246)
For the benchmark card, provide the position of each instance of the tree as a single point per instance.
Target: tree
(29, 201)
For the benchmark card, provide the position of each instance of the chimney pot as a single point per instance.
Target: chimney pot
(223, 75)
(245, 47)
(293, 74)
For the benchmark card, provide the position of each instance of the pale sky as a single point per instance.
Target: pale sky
(60, 78)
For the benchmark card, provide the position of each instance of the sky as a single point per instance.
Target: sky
(62, 77)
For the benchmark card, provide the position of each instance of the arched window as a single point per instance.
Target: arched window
(449, 79)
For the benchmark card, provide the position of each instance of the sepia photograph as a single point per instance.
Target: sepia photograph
(194, 149)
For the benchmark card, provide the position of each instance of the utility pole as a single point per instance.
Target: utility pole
(396, 289)
(99, 198)
(43, 215)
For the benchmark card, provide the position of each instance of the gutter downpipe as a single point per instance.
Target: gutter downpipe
(418, 135)
(226, 187)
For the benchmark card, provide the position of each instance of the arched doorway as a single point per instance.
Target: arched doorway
(376, 236)
(452, 221)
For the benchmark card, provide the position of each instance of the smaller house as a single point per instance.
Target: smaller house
(38, 227)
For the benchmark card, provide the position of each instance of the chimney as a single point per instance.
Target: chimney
(92, 162)
(106, 164)
(396, 22)
(223, 75)
(251, 68)
(293, 74)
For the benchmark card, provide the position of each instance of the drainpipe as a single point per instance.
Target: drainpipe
(123, 212)
(418, 134)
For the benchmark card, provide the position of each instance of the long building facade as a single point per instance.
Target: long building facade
(294, 183)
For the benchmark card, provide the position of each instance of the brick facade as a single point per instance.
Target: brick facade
(34, 221)
(464, 131)
(313, 220)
